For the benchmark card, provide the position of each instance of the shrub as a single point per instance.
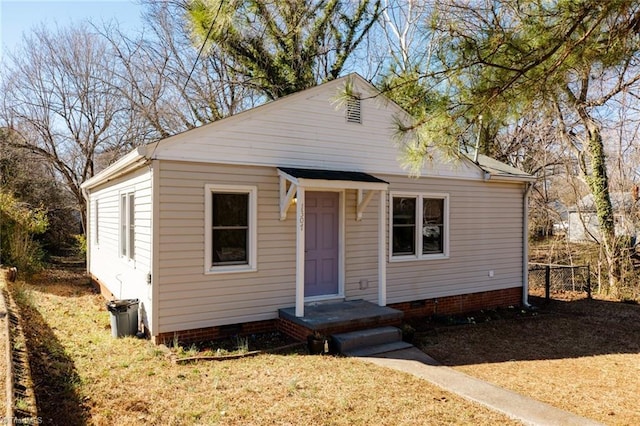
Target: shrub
(18, 224)
(81, 244)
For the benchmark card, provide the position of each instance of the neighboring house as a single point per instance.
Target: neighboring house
(583, 225)
(298, 202)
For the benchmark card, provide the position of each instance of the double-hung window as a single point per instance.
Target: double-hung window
(127, 225)
(230, 221)
(96, 225)
(419, 226)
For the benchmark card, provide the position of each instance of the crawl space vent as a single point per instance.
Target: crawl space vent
(354, 110)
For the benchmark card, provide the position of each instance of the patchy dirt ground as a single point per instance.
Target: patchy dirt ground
(576, 354)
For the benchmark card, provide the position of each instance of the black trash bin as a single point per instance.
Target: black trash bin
(124, 317)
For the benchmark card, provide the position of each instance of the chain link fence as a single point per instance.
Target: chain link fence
(559, 278)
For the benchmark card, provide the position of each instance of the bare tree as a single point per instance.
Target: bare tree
(30, 179)
(168, 86)
(60, 103)
(407, 36)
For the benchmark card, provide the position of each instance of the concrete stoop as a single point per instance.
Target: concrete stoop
(369, 342)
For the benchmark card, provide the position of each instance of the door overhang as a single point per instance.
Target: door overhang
(293, 178)
(293, 184)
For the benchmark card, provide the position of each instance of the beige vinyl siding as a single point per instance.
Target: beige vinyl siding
(485, 234)
(124, 278)
(361, 261)
(189, 298)
(307, 130)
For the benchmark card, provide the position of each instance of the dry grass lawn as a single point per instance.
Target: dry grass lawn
(3, 347)
(576, 354)
(84, 376)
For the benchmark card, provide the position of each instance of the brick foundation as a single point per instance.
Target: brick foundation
(300, 332)
(461, 304)
(213, 333)
(419, 308)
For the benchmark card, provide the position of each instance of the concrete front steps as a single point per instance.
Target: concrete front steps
(369, 342)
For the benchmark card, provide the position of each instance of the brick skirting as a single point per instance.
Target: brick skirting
(213, 333)
(198, 334)
(461, 304)
(419, 308)
(300, 332)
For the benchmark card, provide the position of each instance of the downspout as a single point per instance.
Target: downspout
(525, 246)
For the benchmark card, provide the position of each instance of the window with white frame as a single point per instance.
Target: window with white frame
(419, 226)
(96, 216)
(127, 225)
(230, 221)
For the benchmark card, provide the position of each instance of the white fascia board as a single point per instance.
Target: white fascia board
(511, 179)
(127, 163)
(342, 184)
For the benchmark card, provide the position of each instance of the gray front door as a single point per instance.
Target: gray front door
(321, 243)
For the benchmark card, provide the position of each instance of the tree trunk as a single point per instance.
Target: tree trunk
(598, 182)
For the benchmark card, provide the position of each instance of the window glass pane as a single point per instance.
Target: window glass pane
(404, 225)
(230, 246)
(230, 209)
(230, 228)
(404, 210)
(432, 226)
(404, 240)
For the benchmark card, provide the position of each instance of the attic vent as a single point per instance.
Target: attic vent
(354, 110)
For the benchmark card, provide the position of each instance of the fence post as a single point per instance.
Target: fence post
(547, 282)
(588, 281)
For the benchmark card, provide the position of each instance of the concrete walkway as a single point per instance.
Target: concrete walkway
(514, 405)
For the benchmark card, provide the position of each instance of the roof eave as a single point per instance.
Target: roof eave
(129, 162)
(510, 178)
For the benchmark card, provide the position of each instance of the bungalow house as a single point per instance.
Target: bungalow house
(296, 204)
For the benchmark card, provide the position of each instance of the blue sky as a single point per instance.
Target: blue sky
(19, 16)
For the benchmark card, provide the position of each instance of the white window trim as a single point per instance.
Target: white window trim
(127, 235)
(419, 196)
(252, 264)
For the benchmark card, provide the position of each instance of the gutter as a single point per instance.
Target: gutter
(510, 179)
(525, 246)
(129, 162)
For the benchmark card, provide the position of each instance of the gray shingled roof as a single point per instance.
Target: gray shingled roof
(497, 168)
